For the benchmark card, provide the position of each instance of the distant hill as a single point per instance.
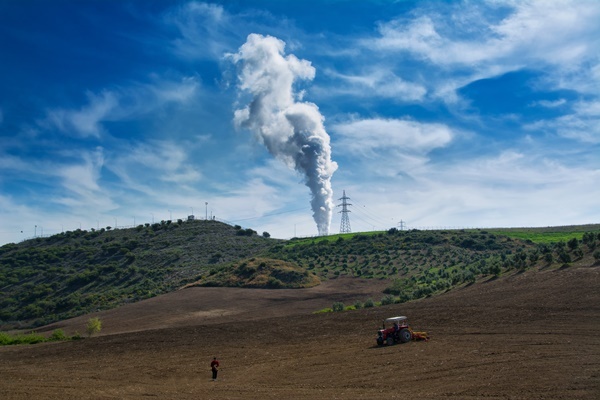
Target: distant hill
(47, 279)
(43, 280)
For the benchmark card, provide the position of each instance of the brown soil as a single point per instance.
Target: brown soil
(534, 335)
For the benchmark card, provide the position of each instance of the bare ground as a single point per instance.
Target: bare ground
(528, 336)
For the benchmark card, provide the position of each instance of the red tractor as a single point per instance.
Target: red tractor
(398, 331)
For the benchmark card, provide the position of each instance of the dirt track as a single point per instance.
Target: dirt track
(530, 336)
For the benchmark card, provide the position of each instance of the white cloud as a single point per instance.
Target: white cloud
(508, 189)
(160, 161)
(389, 148)
(85, 122)
(467, 41)
(403, 135)
(378, 83)
(524, 186)
(555, 32)
(10, 164)
(81, 183)
(173, 91)
(583, 124)
(550, 104)
(205, 29)
(120, 104)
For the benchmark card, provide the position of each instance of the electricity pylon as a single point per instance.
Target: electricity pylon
(345, 224)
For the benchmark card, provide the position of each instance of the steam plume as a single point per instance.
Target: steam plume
(292, 130)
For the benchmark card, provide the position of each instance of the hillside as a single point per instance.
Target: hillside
(526, 335)
(49, 279)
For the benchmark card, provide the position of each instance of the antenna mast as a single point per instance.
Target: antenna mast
(345, 224)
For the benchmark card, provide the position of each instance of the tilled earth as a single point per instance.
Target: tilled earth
(534, 335)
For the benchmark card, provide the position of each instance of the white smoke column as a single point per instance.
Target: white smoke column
(291, 130)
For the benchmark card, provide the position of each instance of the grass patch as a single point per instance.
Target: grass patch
(547, 238)
(7, 339)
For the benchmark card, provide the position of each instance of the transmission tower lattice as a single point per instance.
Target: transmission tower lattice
(345, 224)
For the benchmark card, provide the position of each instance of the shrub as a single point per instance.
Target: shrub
(338, 306)
(573, 243)
(358, 304)
(5, 339)
(387, 299)
(94, 325)
(564, 257)
(274, 283)
(57, 335)
(29, 338)
(369, 303)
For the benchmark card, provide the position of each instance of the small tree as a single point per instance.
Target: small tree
(387, 299)
(94, 325)
(573, 243)
(266, 235)
(58, 334)
(338, 307)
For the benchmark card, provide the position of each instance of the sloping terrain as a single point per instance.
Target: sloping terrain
(44, 280)
(529, 335)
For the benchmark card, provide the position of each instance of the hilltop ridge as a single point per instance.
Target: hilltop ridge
(45, 280)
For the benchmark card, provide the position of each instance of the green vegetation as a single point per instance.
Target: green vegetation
(94, 325)
(258, 272)
(43, 280)
(33, 338)
(546, 235)
(422, 263)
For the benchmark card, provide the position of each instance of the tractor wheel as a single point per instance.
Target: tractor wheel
(380, 341)
(405, 335)
(390, 340)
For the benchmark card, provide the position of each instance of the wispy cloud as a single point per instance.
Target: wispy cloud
(509, 188)
(549, 103)
(81, 183)
(389, 148)
(583, 124)
(147, 166)
(479, 40)
(85, 121)
(403, 135)
(204, 30)
(119, 104)
(378, 83)
(532, 31)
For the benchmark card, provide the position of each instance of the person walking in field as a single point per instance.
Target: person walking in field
(214, 366)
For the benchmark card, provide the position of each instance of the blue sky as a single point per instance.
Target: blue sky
(436, 114)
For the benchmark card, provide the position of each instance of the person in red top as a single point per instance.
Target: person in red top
(214, 366)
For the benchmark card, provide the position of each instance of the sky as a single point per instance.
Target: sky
(426, 114)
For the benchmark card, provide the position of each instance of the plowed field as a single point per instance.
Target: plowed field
(534, 335)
